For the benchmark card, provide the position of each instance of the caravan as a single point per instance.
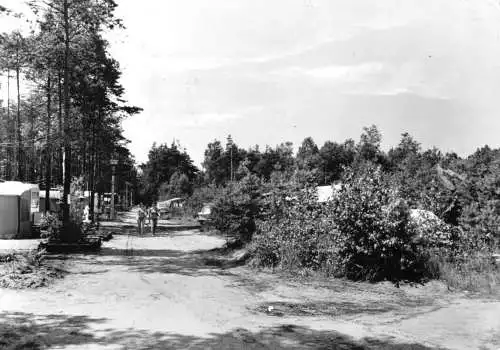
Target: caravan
(15, 210)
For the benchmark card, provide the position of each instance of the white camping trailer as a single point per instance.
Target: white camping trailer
(15, 210)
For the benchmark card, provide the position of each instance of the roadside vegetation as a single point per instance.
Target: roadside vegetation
(403, 215)
(26, 270)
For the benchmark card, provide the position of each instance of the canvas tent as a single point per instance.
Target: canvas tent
(327, 193)
(15, 209)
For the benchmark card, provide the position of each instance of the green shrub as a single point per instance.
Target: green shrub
(50, 226)
(238, 207)
(294, 231)
(375, 238)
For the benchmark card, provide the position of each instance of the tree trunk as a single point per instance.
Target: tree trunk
(92, 169)
(31, 174)
(48, 151)
(60, 129)
(18, 122)
(10, 152)
(67, 142)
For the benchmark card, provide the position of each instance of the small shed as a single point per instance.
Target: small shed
(15, 210)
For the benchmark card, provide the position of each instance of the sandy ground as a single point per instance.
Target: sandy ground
(158, 293)
(9, 245)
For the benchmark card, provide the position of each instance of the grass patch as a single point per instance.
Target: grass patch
(478, 273)
(26, 270)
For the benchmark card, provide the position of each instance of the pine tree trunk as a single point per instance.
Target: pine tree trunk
(92, 169)
(67, 142)
(48, 151)
(11, 131)
(31, 176)
(18, 123)
(60, 129)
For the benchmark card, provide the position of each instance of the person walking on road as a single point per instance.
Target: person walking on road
(153, 217)
(141, 217)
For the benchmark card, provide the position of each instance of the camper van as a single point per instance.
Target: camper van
(15, 210)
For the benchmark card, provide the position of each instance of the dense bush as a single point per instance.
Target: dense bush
(376, 239)
(238, 207)
(365, 233)
(293, 232)
(50, 226)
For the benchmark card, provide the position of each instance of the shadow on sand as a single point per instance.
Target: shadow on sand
(30, 331)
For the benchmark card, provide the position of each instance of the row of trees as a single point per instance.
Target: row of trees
(69, 123)
(326, 163)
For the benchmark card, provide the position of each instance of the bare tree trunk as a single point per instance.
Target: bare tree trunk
(12, 154)
(92, 171)
(60, 129)
(48, 151)
(18, 121)
(31, 169)
(67, 143)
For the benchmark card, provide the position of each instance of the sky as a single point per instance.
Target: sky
(270, 71)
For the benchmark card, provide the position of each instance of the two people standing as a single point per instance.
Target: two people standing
(152, 214)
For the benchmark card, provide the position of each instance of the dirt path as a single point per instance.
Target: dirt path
(158, 293)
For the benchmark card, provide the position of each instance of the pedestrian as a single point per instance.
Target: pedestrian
(86, 214)
(153, 217)
(141, 217)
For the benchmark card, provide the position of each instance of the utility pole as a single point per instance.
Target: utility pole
(230, 145)
(113, 162)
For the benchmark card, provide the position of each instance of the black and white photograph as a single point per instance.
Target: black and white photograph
(249, 174)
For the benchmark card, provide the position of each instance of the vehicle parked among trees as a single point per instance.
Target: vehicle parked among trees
(205, 215)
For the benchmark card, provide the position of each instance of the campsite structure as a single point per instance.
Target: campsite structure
(15, 209)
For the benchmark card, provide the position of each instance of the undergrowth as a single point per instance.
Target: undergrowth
(478, 273)
(26, 270)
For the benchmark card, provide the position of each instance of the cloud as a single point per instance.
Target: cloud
(340, 73)
(203, 120)
(346, 73)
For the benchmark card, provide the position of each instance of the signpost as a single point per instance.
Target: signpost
(114, 163)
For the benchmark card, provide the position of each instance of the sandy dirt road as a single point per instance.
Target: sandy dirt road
(159, 293)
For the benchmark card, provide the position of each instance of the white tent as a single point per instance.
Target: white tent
(327, 193)
(15, 209)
